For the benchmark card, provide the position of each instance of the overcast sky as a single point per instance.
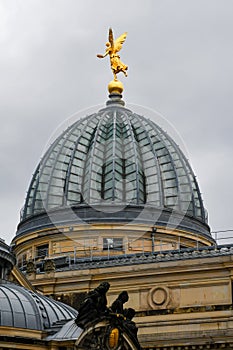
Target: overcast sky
(180, 57)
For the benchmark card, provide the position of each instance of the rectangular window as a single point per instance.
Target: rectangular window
(42, 251)
(113, 244)
(22, 260)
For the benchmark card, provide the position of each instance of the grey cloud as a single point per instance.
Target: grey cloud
(180, 63)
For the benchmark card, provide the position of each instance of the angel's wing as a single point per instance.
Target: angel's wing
(119, 42)
(110, 37)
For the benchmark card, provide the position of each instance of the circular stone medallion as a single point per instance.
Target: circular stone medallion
(158, 296)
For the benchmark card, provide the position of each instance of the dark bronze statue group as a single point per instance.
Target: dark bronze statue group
(94, 308)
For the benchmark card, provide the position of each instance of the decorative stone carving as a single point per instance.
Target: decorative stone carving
(117, 327)
(93, 306)
(31, 268)
(159, 297)
(117, 305)
(49, 265)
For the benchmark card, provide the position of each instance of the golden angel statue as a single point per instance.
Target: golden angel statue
(112, 48)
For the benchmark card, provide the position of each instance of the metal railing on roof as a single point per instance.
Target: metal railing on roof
(67, 256)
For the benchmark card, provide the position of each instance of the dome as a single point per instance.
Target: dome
(118, 160)
(22, 308)
(5, 253)
(7, 259)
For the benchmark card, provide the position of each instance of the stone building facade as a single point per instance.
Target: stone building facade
(115, 199)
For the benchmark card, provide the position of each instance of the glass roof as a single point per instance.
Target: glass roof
(114, 156)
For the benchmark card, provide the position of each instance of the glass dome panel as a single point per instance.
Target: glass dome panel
(114, 155)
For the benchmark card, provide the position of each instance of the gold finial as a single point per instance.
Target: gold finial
(115, 87)
(112, 48)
